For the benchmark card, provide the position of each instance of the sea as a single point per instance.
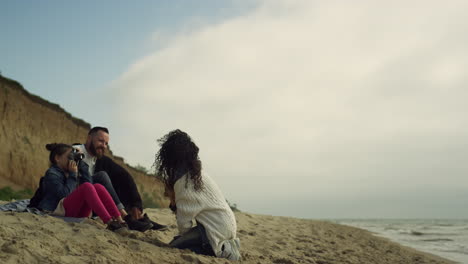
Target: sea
(447, 238)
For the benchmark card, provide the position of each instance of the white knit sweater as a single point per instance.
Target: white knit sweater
(209, 207)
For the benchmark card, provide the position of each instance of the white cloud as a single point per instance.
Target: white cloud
(310, 100)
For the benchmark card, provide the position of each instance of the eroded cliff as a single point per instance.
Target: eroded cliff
(28, 122)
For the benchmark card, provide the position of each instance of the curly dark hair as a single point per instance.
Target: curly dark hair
(177, 156)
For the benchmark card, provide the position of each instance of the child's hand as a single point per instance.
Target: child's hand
(72, 167)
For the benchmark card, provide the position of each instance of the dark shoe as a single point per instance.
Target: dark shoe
(137, 225)
(115, 225)
(156, 226)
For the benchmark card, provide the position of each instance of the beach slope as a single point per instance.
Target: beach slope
(28, 238)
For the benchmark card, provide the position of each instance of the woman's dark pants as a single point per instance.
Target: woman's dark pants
(195, 239)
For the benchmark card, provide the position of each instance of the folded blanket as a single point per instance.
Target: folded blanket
(22, 206)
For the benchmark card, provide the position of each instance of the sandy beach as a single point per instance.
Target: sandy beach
(28, 238)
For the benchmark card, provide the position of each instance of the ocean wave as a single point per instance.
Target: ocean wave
(437, 240)
(444, 224)
(419, 233)
(455, 251)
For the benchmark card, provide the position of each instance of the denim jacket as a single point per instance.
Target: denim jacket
(56, 186)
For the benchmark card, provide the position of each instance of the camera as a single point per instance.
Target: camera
(75, 155)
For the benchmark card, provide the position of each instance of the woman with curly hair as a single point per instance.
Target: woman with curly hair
(195, 196)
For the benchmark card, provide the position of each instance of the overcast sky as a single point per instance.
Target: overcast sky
(316, 109)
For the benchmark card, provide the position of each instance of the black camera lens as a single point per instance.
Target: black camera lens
(75, 155)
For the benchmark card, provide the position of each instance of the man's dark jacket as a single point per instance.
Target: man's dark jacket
(122, 181)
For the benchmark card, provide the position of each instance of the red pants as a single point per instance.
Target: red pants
(88, 197)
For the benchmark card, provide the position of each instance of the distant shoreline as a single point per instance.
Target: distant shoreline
(446, 238)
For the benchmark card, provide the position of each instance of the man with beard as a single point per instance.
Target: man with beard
(118, 182)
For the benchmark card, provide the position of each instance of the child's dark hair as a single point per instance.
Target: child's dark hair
(177, 156)
(56, 149)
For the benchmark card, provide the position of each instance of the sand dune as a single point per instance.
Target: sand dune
(28, 238)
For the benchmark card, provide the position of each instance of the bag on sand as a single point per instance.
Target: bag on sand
(36, 199)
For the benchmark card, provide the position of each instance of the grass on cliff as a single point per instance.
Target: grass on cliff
(148, 201)
(8, 194)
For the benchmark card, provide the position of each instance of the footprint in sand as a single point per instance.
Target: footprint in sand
(283, 261)
(10, 247)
